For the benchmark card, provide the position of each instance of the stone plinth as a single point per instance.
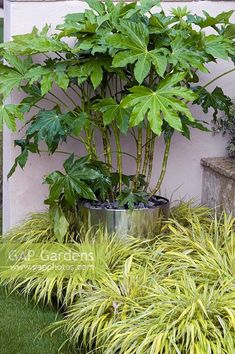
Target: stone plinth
(218, 185)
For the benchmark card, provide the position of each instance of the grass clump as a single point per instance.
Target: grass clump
(174, 294)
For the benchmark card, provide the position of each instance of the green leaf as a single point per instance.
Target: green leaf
(197, 124)
(34, 96)
(73, 184)
(133, 39)
(210, 21)
(159, 105)
(147, 5)
(51, 127)
(22, 158)
(49, 75)
(10, 81)
(180, 12)
(18, 64)
(219, 47)
(35, 42)
(79, 123)
(216, 100)
(60, 223)
(159, 59)
(113, 111)
(9, 114)
(130, 198)
(96, 5)
(186, 56)
(92, 68)
(229, 31)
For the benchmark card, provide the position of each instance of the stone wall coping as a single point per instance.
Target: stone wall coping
(222, 165)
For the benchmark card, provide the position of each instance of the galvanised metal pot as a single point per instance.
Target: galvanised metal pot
(140, 223)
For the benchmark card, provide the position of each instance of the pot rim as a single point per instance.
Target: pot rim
(166, 204)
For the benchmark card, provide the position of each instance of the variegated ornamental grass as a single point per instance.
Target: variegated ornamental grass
(173, 294)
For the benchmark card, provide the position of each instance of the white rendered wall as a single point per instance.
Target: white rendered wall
(24, 192)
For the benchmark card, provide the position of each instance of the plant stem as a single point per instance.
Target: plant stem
(218, 77)
(105, 143)
(139, 156)
(147, 149)
(78, 94)
(70, 98)
(123, 153)
(163, 170)
(119, 156)
(57, 152)
(59, 55)
(58, 99)
(81, 140)
(150, 162)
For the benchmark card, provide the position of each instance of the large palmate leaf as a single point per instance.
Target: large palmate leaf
(112, 111)
(9, 81)
(133, 40)
(147, 5)
(34, 42)
(34, 95)
(216, 100)
(74, 183)
(161, 104)
(19, 64)
(9, 113)
(26, 146)
(77, 122)
(185, 56)
(92, 69)
(48, 76)
(53, 127)
(219, 47)
(209, 21)
(131, 198)
(229, 32)
(97, 6)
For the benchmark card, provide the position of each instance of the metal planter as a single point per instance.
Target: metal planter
(140, 223)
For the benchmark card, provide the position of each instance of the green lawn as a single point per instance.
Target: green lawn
(20, 325)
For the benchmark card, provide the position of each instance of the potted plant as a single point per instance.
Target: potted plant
(113, 72)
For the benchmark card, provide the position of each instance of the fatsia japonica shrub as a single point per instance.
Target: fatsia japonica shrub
(114, 70)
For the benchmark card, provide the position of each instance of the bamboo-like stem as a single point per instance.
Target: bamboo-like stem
(163, 169)
(147, 149)
(109, 154)
(150, 162)
(139, 157)
(105, 147)
(119, 155)
(149, 144)
(89, 131)
(88, 144)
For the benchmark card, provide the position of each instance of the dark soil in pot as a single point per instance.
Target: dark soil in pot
(152, 203)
